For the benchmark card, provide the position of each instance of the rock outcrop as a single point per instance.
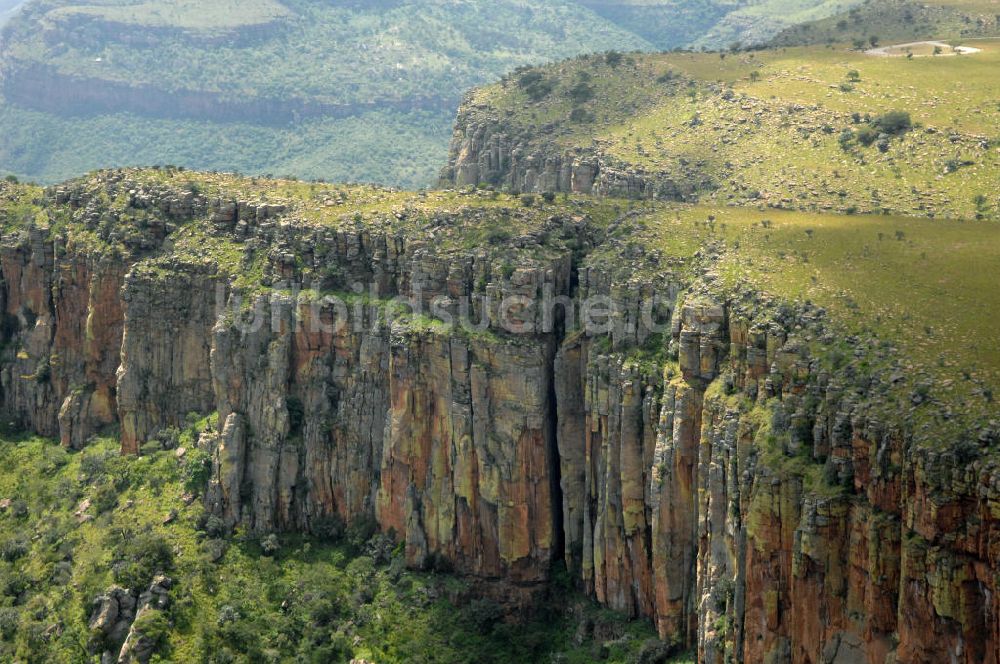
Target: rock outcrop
(122, 622)
(486, 152)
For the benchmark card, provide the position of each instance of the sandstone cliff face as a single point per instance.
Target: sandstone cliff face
(64, 316)
(719, 475)
(762, 562)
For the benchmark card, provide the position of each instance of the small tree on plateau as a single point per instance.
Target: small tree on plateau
(894, 122)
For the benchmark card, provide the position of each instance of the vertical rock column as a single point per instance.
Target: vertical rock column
(165, 369)
(468, 456)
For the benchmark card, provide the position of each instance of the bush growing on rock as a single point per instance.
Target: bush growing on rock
(270, 545)
(139, 558)
(196, 471)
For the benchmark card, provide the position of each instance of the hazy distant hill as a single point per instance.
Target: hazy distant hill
(312, 88)
(888, 21)
(7, 8)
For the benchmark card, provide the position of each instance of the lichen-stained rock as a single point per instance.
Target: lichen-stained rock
(606, 466)
(165, 373)
(569, 374)
(702, 340)
(305, 399)
(87, 354)
(469, 452)
(485, 152)
(63, 310)
(63, 329)
(225, 488)
(674, 510)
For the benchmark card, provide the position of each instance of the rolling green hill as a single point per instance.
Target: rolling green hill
(336, 90)
(809, 129)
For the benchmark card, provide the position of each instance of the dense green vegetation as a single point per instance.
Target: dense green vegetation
(74, 524)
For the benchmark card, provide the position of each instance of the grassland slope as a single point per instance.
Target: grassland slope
(826, 129)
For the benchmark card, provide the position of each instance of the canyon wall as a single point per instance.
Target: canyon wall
(724, 475)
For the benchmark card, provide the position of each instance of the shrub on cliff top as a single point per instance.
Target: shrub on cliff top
(535, 85)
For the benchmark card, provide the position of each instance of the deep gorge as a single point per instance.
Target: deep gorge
(723, 479)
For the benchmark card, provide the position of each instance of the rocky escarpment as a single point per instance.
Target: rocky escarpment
(737, 469)
(757, 504)
(485, 151)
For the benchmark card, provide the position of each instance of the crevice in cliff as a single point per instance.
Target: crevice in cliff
(555, 463)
